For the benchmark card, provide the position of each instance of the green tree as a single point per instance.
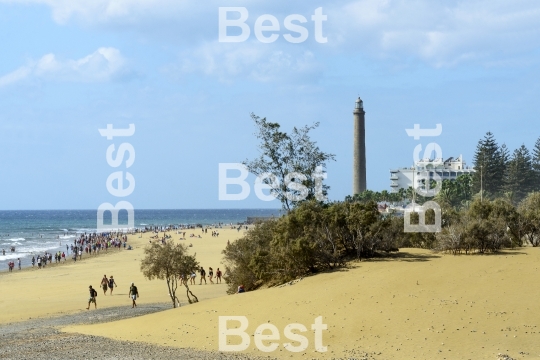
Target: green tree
(455, 192)
(529, 209)
(504, 157)
(169, 262)
(519, 176)
(289, 158)
(361, 219)
(536, 165)
(249, 260)
(489, 165)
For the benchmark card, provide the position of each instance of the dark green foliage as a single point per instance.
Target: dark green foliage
(455, 193)
(385, 195)
(312, 237)
(529, 210)
(536, 165)
(489, 163)
(519, 177)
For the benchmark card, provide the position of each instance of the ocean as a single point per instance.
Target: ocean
(32, 232)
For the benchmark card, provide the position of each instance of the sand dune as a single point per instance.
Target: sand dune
(417, 305)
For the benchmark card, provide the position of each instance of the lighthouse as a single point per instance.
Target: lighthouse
(359, 160)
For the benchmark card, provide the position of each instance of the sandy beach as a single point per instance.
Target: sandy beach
(413, 305)
(63, 289)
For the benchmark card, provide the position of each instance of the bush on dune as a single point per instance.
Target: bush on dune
(311, 238)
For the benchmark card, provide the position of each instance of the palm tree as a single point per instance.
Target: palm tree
(445, 196)
(402, 194)
(385, 196)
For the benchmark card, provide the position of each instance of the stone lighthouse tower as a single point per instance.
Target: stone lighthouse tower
(359, 162)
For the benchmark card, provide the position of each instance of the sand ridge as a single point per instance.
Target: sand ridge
(416, 305)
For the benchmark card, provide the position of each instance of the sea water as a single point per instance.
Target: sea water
(33, 232)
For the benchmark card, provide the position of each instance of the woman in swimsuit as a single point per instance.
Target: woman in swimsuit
(112, 284)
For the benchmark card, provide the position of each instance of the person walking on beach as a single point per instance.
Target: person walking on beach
(133, 294)
(112, 284)
(33, 261)
(218, 276)
(92, 299)
(203, 276)
(19, 263)
(104, 284)
(210, 274)
(192, 278)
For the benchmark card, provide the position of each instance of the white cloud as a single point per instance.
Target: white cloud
(101, 65)
(437, 32)
(251, 60)
(105, 11)
(14, 76)
(441, 33)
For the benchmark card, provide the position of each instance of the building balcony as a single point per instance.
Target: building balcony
(394, 185)
(394, 177)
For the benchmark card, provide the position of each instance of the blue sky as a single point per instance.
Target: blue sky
(69, 68)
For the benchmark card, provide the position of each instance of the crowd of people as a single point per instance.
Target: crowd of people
(192, 278)
(88, 244)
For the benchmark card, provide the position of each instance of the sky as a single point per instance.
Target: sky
(69, 68)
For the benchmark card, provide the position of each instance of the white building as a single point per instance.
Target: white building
(402, 178)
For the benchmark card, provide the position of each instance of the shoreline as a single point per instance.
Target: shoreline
(68, 238)
(53, 264)
(63, 287)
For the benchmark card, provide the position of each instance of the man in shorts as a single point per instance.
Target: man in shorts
(133, 294)
(104, 284)
(92, 299)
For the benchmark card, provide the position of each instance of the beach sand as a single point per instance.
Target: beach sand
(413, 305)
(63, 289)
